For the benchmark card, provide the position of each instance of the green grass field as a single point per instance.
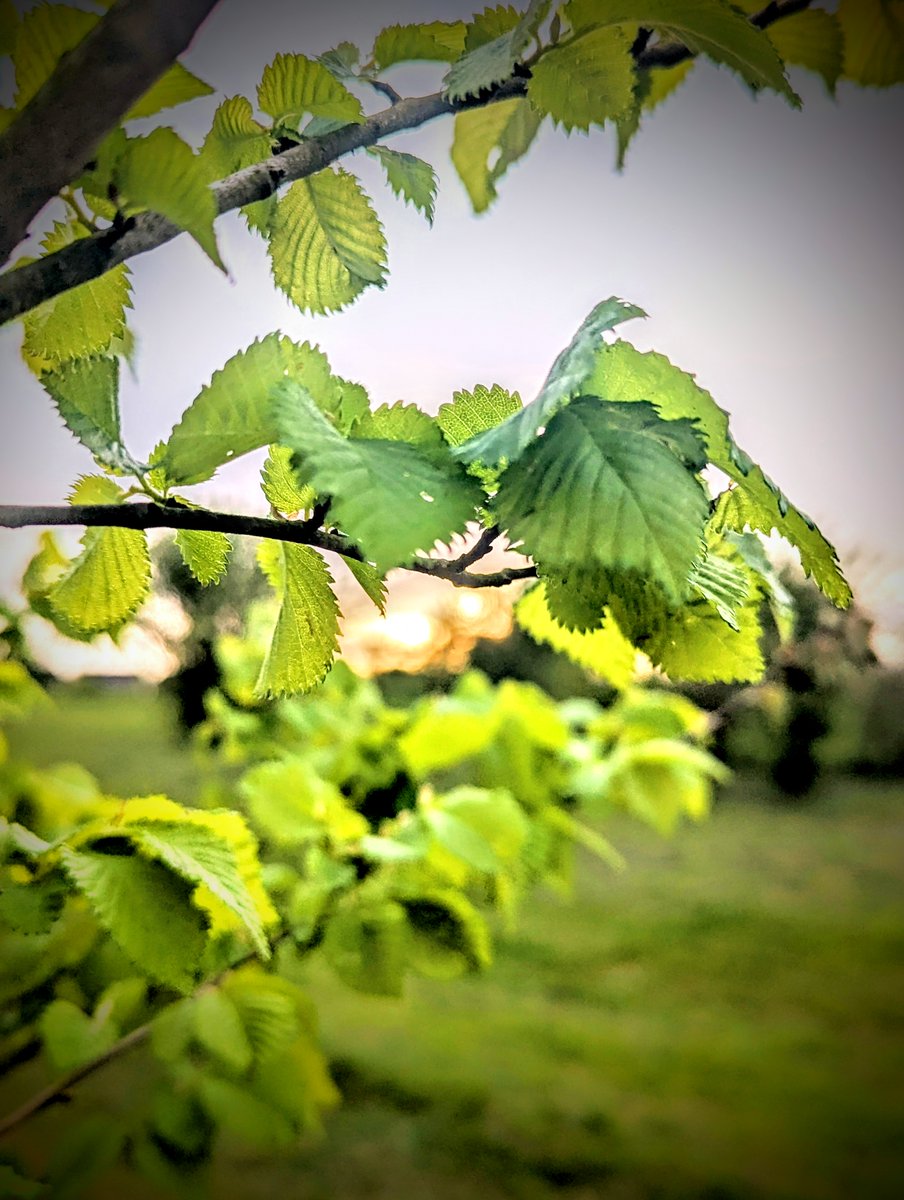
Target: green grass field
(722, 1021)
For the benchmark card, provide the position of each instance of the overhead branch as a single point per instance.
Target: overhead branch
(89, 93)
(144, 515)
(86, 259)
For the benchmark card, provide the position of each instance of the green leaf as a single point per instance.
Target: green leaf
(597, 490)
(235, 141)
(71, 1038)
(371, 580)
(367, 479)
(17, 1187)
(873, 41)
(108, 581)
(9, 26)
(493, 62)
(584, 82)
(436, 41)
(409, 177)
(83, 1152)
(509, 127)
(605, 651)
(494, 815)
(625, 374)
(447, 936)
(715, 29)
(86, 394)
(231, 415)
(176, 86)
(326, 243)
(244, 1117)
(695, 643)
(198, 854)
(459, 838)
(293, 805)
(304, 640)
(341, 61)
(162, 173)
(45, 33)
(811, 39)
(401, 422)
(490, 24)
(565, 379)
(446, 732)
(366, 947)
(293, 85)
(470, 413)
(82, 321)
(205, 552)
(148, 911)
(32, 907)
(724, 584)
(280, 485)
(757, 504)
(219, 1029)
(269, 1010)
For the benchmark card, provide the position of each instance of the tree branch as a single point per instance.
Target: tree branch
(144, 515)
(90, 91)
(27, 286)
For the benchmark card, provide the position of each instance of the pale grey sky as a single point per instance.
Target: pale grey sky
(764, 243)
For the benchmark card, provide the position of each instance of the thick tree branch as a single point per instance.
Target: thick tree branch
(27, 286)
(143, 515)
(91, 90)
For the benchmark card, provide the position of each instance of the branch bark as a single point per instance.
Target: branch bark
(145, 515)
(27, 286)
(93, 87)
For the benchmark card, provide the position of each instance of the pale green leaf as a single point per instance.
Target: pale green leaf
(712, 27)
(508, 127)
(695, 643)
(244, 1117)
(176, 86)
(495, 815)
(86, 394)
(436, 41)
(304, 640)
(147, 909)
(205, 552)
(566, 378)
(80, 322)
(341, 61)
(409, 177)
(492, 62)
(597, 490)
(445, 733)
(219, 1030)
(490, 24)
(873, 41)
(269, 1010)
(326, 243)
(293, 805)
(584, 82)
(280, 485)
(235, 141)
(470, 413)
(45, 33)
(757, 504)
(811, 39)
(162, 173)
(293, 85)
(372, 581)
(461, 839)
(447, 936)
(231, 415)
(71, 1038)
(723, 583)
(401, 422)
(388, 497)
(605, 651)
(108, 581)
(201, 856)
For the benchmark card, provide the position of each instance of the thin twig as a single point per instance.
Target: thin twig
(144, 515)
(25, 287)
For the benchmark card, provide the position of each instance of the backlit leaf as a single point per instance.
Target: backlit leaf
(584, 82)
(293, 85)
(205, 552)
(409, 177)
(372, 581)
(162, 173)
(492, 62)
(176, 86)
(280, 485)
(811, 39)
(82, 321)
(509, 127)
(873, 41)
(470, 413)
(326, 243)
(605, 651)
(304, 640)
(86, 394)
(436, 41)
(45, 33)
(695, 643)
(368, 478)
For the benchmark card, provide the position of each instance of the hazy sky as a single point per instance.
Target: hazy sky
(765, 244)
